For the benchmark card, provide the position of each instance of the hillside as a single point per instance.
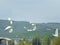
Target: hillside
(43, 29)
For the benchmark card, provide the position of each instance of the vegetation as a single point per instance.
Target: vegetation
(18, 26)
(36, 40)
(56, 41)
(11, 42)
(42, 29)
(24, 42)
(46, 41)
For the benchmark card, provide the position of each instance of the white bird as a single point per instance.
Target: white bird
(8, 27)
(56, 33)
(29, 30)
(10, 20)
(32, 24)
(11, 30)
(34, 28)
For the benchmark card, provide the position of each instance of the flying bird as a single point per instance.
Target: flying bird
(29, 30)
(56, 33)
(32, 24)
(9, 28)
(9, 19)
(33, 29)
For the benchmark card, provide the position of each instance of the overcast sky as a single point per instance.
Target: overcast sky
(31, 10)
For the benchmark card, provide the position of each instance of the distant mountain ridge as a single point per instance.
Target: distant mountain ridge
(43, 29)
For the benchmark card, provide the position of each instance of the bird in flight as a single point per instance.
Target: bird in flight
(56, 33)
(10, 28)
(33, 29)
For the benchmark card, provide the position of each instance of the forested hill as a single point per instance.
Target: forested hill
(43, 29)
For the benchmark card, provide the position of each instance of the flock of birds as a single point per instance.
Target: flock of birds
(10, 28)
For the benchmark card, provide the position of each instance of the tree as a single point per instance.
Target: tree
(24, 42)
(56, 41)
(36, 41)
(46, 41)
(11, 42)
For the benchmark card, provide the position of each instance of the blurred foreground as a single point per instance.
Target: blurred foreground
(35, 41)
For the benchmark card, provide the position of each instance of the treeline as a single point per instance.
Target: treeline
(37, 41)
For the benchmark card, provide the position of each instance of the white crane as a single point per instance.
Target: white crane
(56, 33)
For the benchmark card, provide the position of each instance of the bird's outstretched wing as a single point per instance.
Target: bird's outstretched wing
(8, 27)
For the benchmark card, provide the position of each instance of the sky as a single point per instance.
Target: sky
(39, 11)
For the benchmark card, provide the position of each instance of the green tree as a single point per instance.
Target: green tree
(46, 41)
(11, 42)
(56, 41)
(24, 42)
(36, 41)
